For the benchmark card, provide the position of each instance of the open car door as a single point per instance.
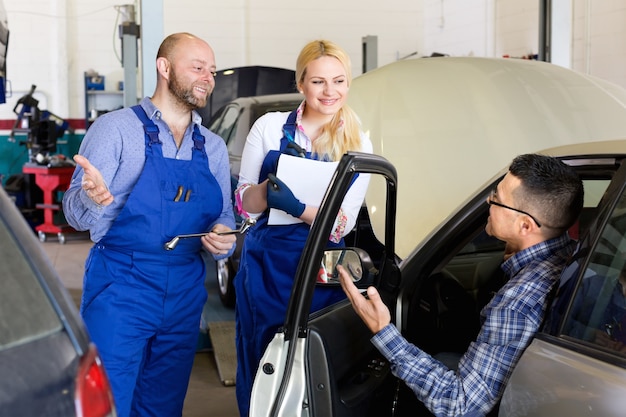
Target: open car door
(324, 364)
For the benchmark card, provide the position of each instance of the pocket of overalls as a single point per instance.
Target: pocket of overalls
(99, 276)
(178, 200)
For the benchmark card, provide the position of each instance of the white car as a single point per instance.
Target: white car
(444, 131)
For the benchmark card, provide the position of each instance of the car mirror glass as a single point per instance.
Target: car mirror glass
(356, 261)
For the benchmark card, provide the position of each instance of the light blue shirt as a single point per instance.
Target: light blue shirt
(115, 145)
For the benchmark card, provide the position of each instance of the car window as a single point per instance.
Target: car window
(214, 123)
(25, 311)
(235, 146)
(598, 312)
(262, 108)
(227, 127)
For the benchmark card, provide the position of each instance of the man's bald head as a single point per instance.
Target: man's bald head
(171, 42)
(185, 66)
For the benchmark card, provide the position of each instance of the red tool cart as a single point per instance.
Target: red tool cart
(50, 180)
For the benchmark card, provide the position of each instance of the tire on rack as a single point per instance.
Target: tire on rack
(225, 273)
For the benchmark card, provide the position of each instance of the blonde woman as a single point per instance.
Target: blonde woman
(324, 128)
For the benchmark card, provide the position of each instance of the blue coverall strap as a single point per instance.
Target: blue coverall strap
(198, 139)
(289, 130)
(289, 133)
(151, 130)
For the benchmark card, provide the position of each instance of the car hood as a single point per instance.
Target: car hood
(449, 124)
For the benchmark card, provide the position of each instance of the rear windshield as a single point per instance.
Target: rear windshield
(25, 311)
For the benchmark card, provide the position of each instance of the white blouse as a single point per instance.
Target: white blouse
(265, 136)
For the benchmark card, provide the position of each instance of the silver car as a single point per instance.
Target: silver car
(233, 122)
(421, 241)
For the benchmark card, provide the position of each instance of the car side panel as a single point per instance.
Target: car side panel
(38, 378)
(552, 380)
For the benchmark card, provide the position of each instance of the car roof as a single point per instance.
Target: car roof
(449, 124)
(592, 149)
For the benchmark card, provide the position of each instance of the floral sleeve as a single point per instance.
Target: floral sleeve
(340, 227)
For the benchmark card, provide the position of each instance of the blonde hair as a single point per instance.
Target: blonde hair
(342, 133)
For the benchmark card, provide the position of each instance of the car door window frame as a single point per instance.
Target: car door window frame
(557, 326)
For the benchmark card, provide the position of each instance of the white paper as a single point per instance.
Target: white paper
(307, 179)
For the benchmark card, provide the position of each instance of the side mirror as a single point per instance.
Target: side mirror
(355, 260)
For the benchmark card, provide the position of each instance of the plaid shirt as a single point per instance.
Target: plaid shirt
(510, 321)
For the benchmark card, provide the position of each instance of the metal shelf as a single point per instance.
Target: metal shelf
(98, 102)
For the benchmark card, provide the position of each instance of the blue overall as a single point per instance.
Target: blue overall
(269, 260)
(141, 303)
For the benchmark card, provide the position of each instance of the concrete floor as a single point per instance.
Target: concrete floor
(206, 396)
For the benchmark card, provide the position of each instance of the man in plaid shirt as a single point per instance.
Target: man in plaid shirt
(538, 248)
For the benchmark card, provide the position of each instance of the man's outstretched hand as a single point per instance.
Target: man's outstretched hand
(93, 184)
(372, 310)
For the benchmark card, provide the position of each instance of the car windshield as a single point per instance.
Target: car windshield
(25, 310)
(262, 108)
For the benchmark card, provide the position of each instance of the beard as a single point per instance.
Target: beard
(185, 94)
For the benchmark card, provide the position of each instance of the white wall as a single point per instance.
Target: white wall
(272, 32)
(53, 42)
(458, 27)
(600, 39)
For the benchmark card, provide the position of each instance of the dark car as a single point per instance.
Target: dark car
(249, 81)
(48, 365)
(233, 122)
(444, 131)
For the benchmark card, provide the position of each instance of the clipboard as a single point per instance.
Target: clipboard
(307, 179)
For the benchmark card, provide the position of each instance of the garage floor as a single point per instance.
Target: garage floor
(206, 395)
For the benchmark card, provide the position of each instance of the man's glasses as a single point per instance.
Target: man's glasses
(491, 202)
